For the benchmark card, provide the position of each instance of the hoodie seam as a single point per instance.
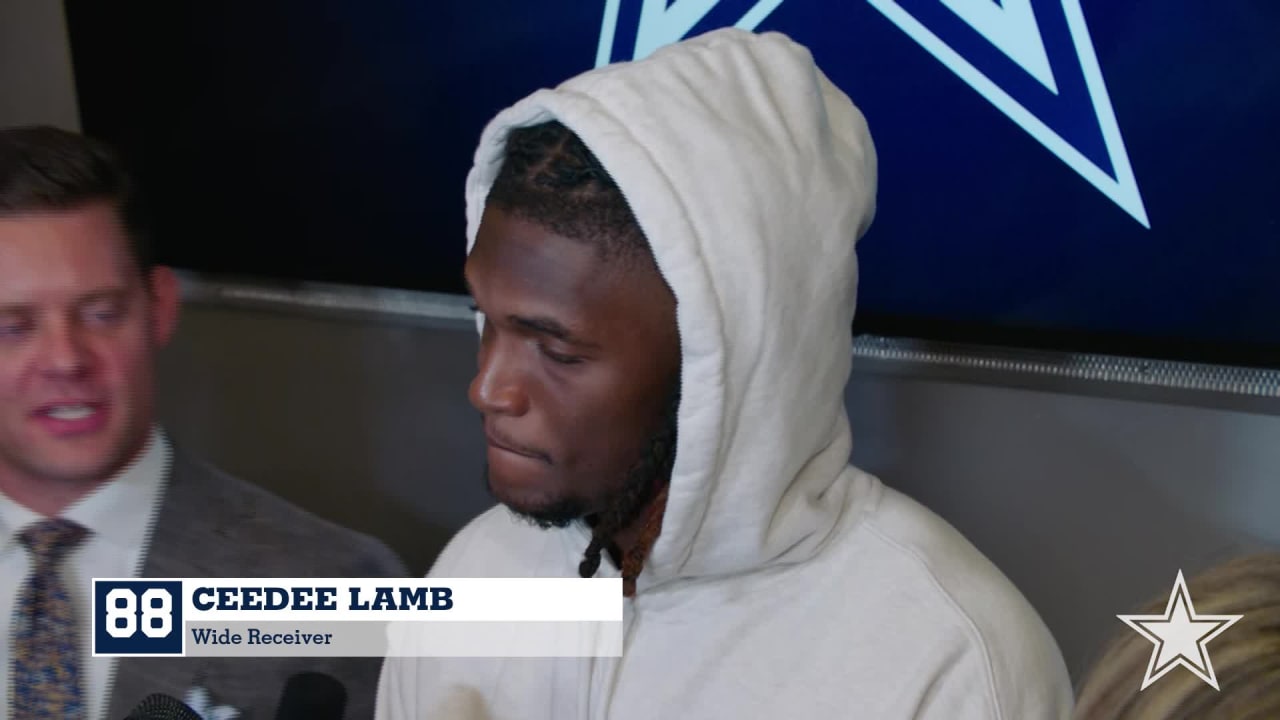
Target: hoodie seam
(987, 668)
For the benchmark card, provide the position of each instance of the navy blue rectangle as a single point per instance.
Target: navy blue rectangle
(137, 617)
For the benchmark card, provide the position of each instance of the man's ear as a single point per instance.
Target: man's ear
(166, 301)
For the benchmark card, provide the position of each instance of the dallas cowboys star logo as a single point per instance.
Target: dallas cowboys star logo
(1180, 636)
(1048, 40)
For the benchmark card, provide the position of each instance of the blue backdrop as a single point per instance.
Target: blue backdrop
(1076, 175)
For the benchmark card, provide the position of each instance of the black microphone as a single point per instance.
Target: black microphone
(312, 696)
(162, 707)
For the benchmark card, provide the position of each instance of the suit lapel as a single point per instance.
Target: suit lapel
(182, 543)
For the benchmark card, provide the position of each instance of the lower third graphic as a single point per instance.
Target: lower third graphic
(357, 617)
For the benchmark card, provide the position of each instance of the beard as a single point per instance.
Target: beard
(622, 504)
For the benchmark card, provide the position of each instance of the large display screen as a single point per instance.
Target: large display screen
(1083, 176)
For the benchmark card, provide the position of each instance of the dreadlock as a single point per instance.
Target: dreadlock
(551, 178)
(644, 491)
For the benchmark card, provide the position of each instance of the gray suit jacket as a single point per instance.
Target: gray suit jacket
(214, 525)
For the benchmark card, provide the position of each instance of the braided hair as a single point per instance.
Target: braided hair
(551, 178)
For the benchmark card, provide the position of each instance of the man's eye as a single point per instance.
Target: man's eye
(104, 314)
(12, 329)
(560, 358)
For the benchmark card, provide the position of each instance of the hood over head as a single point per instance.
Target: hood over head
(752, 177)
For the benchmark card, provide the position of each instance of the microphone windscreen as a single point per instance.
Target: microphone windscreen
(313, 696)
(162, 707)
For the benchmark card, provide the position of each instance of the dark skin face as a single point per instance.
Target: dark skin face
(578, 361)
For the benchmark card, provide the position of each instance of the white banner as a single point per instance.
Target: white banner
(357, 617)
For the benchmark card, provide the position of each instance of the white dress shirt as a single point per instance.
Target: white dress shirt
(120, 516)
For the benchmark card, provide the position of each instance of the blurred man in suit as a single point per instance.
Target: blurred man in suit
(91, 485)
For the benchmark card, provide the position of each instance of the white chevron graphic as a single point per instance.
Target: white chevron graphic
(662, 25)
(1013, 30)
(1123, 189)
(1011, 27)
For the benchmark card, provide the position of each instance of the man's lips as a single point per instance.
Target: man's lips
(69, 409)
(503, 443)
(71, 417)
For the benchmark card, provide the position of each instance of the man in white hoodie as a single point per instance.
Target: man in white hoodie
(662, 253)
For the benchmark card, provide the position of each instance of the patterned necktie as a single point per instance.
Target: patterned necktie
(46, 646)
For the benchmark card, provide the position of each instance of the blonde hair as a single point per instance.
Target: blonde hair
(1246, 658)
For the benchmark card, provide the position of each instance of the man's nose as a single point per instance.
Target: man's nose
(497, 388)
(64, 351)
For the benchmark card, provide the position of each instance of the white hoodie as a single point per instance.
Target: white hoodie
(786, 583)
